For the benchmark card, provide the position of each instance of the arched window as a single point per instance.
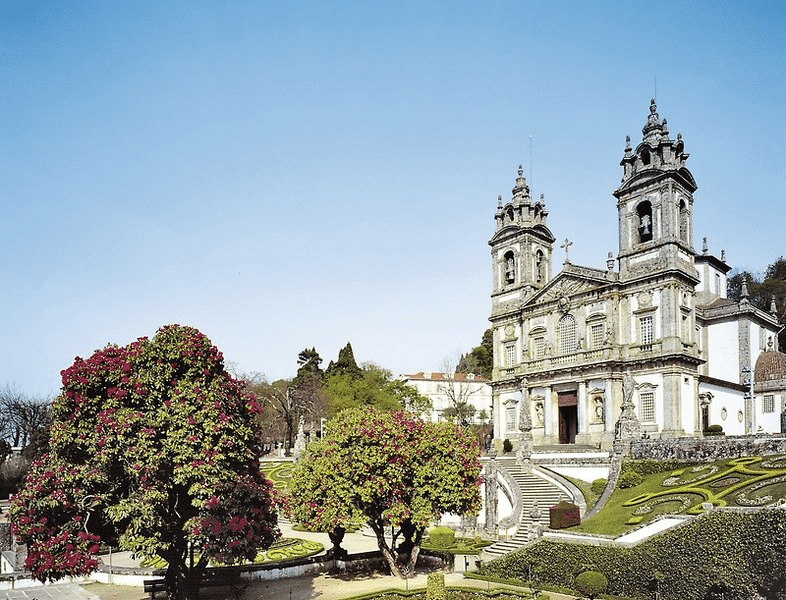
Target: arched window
(510, 267)
(566, 335)
(540, 266)
(684, 226)
(644, 213)
(645, 157)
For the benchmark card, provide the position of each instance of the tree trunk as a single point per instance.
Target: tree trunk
(182, 581)
(378, 527)
(414, 552)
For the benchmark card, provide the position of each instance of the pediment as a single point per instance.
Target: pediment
(563, 287)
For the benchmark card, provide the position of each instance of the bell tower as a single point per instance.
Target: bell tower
(655, 203)
(521, 247)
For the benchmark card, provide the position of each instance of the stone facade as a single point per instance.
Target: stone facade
(661, 317)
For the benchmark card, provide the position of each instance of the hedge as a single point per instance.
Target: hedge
(741, 553)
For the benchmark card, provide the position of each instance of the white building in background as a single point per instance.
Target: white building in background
(568, 340)
(446, 389)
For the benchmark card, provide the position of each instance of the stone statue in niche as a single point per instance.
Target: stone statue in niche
(599, 415)
(539, 413)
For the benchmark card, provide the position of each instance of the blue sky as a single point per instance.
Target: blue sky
(291, 174)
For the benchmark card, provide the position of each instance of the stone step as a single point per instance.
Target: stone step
(533, 489)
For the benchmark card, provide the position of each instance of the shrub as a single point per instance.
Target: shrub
(629, 478)
(442, 537)
(507, 446)
(591, 583)
(598, 486)
(435, 586)
(714, 430)
(687, 561)
(564, 515)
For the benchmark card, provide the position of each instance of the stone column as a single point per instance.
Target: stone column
(490, 481)
(548, 414)
(524, 452)
(583, 417)
(672, 405)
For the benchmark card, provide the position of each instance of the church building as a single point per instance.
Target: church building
(655, 321)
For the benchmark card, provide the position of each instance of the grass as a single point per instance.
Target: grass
(461, 545)
(279, 473)
(741, 482)
(281, 550)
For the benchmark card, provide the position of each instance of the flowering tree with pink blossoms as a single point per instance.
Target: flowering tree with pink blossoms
(390, 470)
(152, 449)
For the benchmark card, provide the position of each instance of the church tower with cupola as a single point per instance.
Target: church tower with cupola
(657, 272)
(655, 203)
(521, 246)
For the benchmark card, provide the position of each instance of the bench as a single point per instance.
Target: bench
(223, 577)
(153, 587)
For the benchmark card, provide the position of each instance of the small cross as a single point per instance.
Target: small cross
(567, 244)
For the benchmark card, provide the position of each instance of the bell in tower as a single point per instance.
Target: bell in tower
(655, 200)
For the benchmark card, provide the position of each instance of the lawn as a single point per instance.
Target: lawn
(741, 482)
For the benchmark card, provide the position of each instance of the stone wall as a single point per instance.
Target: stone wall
(708, 449)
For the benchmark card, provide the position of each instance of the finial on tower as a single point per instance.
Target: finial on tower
(704, 247)
(744, 293)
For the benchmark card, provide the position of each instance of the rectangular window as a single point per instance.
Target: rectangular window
(647, 407)
(539, 347)
(597, 333)
(768, 404)
(645, 332)
(510, 355)
(510, 413)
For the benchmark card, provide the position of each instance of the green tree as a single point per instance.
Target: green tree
(764, 291)
(308, 363)
(391, 470)
(152, 449)
(479, 360)
(371, 386)
(306, 391)
(345, 364)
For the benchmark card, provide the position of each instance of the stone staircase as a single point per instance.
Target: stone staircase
(534, 488)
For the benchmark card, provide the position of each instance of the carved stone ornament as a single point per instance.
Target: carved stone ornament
(645, 299)
(509, 330)
(564, 303)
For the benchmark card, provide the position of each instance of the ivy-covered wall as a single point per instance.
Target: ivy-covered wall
(729, 552)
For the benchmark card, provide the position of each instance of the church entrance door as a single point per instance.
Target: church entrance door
(568, 417)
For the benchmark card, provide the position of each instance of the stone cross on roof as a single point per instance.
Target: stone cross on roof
(566, 244)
